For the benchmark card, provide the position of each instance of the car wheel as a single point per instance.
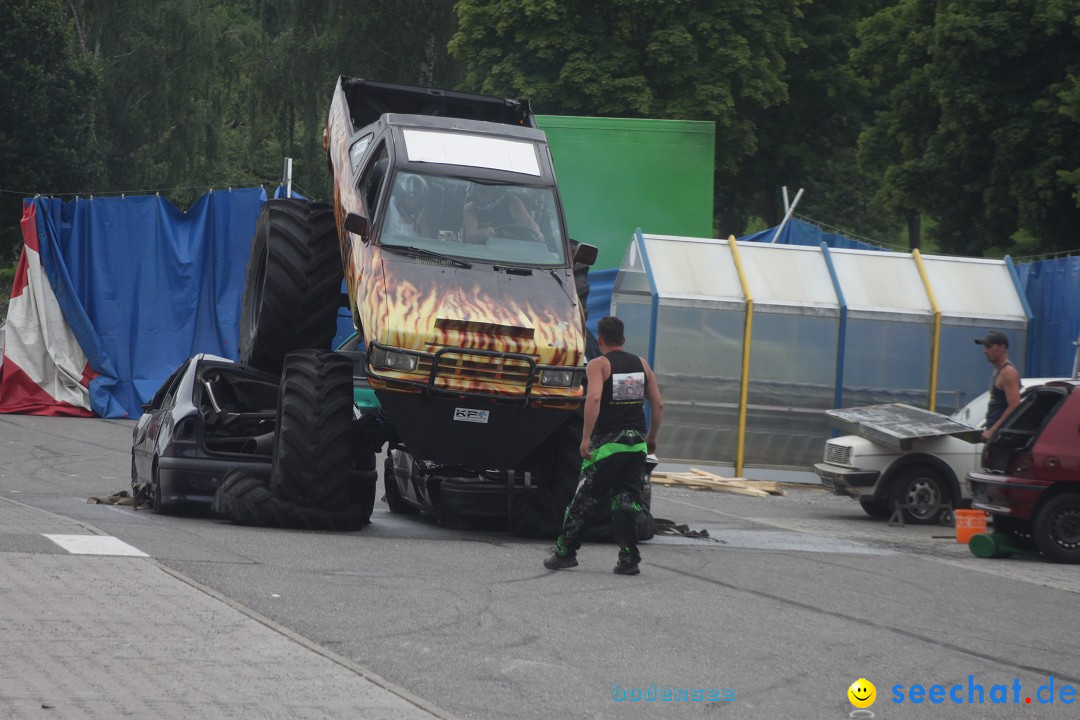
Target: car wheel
(311, 459)
(875, 508)
(921, 488)
(1056, 528)
(293, 286)
(1019, 531)
(157, 505)
(394, 499)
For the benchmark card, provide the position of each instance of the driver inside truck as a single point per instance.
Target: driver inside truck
(491, 210)
(407, 214)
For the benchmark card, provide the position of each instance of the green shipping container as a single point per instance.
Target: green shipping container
(619, 174)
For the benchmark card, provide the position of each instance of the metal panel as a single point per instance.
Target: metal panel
(887, 361)
(788, 275)
(792, 371)
(698, 363)
(880, 281)
(897, 425)
(689, 266)
(974, 288)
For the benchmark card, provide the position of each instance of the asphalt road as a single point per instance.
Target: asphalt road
(789, 602)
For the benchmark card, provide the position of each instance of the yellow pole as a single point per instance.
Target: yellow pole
(935, 347)
(740, 446)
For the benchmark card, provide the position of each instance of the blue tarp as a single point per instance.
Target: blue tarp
(145, 286)
(1052, 288)
(799, 232)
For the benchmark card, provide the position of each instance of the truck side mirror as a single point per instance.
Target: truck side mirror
(585, 254)
(358, 225)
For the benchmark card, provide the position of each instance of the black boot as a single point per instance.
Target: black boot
(555, 561)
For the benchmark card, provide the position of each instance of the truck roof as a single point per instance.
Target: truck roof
(459, 124)
(369, 100)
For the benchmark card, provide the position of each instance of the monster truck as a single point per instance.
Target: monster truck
(447, 226)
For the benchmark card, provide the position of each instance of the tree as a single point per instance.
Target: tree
(719, 60)
(307, 45)
(809, 139)
(46, 93)
(971, 131)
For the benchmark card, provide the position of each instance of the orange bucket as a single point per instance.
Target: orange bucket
(969, 523)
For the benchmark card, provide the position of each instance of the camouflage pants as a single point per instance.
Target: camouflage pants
(615, 474)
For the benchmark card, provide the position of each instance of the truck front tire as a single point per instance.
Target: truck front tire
(293, 284)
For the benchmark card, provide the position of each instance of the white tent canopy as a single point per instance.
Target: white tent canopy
(829, 328)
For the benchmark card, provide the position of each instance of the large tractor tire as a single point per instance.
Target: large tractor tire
(363, 480)
(246, 499)
(312, 459)
(293, 285)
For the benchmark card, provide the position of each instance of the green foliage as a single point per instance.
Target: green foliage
(974, 128)
(719, 60)
(960, 114)
(808, 141)
(46, 93)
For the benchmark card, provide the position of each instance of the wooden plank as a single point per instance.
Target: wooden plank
(700, 479)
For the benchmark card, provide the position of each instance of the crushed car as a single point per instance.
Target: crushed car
(214, 422)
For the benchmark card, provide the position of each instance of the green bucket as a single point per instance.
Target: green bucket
(992, 545)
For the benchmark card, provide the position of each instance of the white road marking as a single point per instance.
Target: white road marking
(95, 545)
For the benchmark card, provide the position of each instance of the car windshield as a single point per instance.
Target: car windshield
(496, 223)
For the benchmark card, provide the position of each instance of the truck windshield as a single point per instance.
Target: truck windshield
(495, 223)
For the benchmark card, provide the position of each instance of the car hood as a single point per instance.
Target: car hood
(430, 305)
(898, 426)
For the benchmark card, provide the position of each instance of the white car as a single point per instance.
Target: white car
(924, 478)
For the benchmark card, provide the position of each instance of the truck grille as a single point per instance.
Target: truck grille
(837, 454)
(479, 371)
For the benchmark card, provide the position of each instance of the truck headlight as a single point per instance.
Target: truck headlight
(560, 378)
(391, 360)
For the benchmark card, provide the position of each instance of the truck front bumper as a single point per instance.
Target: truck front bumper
(483, 496)
(847, 481)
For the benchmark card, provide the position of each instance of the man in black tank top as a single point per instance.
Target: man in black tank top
(1004, 383)
(613, 448)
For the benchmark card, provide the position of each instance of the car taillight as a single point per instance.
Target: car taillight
(185, 429)
(1020, 464)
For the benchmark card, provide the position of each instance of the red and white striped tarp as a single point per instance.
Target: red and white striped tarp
(44, 370)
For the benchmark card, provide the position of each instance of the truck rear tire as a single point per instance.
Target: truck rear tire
(311, 459)
(293, 284)
(246, 499)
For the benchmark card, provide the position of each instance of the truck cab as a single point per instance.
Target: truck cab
(458, 267)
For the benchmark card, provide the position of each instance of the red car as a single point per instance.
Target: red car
(1030, 481)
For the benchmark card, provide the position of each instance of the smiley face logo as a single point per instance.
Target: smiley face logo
(862, 693)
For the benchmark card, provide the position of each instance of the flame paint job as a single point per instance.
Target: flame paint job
(415, 305)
